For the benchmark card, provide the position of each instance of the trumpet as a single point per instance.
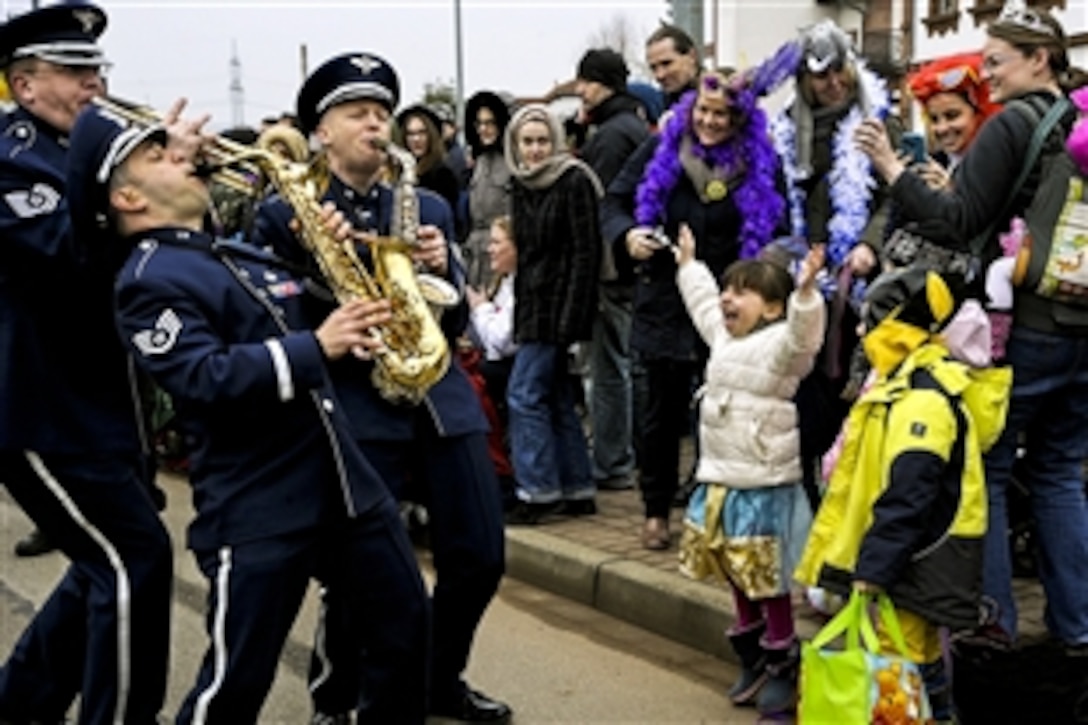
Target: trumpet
(227, 162)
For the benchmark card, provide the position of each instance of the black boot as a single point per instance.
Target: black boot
(36, 543)
(753, 670)
(779, 694)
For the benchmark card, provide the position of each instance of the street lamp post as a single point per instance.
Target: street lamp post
(459, 100)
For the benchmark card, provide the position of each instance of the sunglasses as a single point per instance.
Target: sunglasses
(954, 78)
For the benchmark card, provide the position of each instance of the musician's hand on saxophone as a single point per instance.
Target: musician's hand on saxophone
(350, 328)
(185, 135)
(431, 251)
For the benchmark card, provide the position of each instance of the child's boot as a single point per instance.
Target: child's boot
(779, 694)
(753, 671)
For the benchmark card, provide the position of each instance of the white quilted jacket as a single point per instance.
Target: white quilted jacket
(748, 433)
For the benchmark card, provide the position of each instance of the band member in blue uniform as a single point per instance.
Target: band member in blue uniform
(70, 446)
(439, 444)
(281, 491)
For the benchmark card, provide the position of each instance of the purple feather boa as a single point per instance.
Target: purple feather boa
(757, 199)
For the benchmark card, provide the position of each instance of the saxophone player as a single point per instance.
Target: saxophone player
(281, 492)
(439, 443)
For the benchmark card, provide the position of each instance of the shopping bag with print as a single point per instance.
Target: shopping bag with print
(859, 684)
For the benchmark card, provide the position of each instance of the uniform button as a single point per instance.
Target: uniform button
(263, 294)
(327, 405)
(146, 245)
(243, 273)
(270, 276)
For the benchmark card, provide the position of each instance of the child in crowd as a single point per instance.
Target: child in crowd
(905, 509)
(747, 520)
(493, 310)
(490, 356)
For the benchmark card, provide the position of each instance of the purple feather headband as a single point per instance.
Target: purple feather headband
(749, 151)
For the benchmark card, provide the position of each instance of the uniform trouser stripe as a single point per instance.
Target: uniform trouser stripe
(219, 637)
(283, 369)
(124, 596)
(320, 651)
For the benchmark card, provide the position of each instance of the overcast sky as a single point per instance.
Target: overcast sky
(170, 48)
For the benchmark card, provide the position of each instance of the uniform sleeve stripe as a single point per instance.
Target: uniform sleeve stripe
(283, 369)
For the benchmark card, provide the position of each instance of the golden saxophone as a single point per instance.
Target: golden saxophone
(414, 354)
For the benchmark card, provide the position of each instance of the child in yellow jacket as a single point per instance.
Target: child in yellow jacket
(905, 510)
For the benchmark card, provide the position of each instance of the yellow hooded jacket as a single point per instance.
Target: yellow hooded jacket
(906, 504)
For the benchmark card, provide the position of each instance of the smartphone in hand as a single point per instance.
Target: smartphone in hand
(913, 146)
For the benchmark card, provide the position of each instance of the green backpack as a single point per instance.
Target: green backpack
(1053, 261)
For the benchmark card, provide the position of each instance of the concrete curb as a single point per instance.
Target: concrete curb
(666, 604)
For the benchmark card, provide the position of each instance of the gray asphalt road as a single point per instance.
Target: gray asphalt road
(554, 660)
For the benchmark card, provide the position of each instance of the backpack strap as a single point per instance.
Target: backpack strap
(1047, 124)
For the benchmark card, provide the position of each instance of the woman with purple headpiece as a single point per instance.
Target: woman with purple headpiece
(713, 167)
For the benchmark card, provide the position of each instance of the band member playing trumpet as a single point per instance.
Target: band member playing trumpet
(282, 493)
(70, 449)
(439, 444)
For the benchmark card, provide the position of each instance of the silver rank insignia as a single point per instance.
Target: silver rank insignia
(35, 201)
(86, 18)
(162, 337)
(366, 64)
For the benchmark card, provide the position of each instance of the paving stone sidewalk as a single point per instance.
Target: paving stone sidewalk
(599, 560)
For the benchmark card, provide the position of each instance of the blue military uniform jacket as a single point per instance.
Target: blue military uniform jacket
(451, 404)
(66, 385)
(224, 335)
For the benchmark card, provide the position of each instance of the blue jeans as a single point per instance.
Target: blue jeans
(610, 384)
(547, 445)
(1048, 412)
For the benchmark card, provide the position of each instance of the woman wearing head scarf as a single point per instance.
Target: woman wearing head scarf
(554, 208)
(714, 168)
(1026, 63)
(486, 118)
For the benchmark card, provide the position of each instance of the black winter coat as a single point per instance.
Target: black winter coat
(616, 130)
(559, 253)
(661, 328)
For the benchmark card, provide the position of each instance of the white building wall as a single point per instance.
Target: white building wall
(750, 30)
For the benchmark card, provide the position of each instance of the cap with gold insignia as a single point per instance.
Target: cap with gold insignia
(346, 77)
(99, 143)
(64, 33)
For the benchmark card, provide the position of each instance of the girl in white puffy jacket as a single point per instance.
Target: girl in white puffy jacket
(747, 521)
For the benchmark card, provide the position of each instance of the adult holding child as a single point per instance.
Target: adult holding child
(1026, 62)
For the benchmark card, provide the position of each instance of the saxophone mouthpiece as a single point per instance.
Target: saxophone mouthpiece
(205, 170)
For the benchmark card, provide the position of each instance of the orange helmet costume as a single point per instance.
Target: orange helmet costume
(958, 74)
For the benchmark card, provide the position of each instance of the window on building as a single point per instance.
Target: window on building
(944, 16)
(985, 11)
